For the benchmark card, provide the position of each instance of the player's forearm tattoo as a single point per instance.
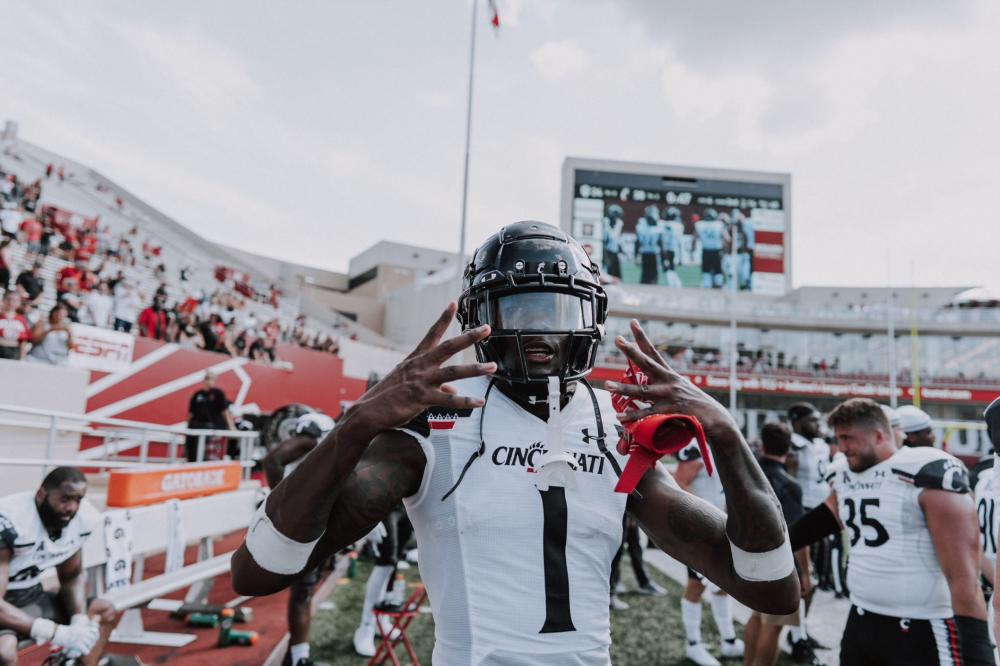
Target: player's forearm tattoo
(754, 521)
(380, 488)
(688, 521)
(375, 488)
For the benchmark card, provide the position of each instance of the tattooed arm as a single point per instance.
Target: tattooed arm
(688, 528)
(363, 468)
(388, 469)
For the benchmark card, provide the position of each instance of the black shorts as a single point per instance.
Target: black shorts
(711, 261)
(36, 602)
(669, 260)
(871, 639)
(398, 532)
(613, 264)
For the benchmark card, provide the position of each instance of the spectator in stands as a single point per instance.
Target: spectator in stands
(31, 234)
(14, 330)
(74, 272)
(72, 298)
(153, 321)
(126, 306)
(98, 305)
(207, 410)
(5, 264)
(29, 283)
(51, 340)
(10, 221)
(188, 335)
(8, 187)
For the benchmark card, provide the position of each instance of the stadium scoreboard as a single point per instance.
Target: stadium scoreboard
(675, 226)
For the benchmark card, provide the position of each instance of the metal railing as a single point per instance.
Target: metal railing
(119, 436)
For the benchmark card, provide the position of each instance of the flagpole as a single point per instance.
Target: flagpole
(734, 355)
(468, 138)
(891, 332)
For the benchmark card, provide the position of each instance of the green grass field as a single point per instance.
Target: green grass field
(690, 276)
(650, 633)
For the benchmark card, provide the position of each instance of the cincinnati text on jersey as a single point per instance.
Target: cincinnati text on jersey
(525, 456)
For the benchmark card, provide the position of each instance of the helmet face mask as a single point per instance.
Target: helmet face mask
(541, 295)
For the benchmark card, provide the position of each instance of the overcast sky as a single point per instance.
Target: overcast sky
(310, 130)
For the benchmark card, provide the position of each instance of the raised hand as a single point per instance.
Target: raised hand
(667, 392)
(420, 381)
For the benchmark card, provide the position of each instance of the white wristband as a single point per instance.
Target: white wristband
(43, 630)
(272, 550)
(759, 567)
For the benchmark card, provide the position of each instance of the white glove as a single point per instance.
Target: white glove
(79, 636)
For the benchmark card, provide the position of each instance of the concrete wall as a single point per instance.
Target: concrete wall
(38, 386)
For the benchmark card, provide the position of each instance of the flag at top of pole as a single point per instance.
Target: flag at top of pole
(495, 19)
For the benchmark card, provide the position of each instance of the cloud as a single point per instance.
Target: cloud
(195, 72)
(440, 100)
(734, 36)
(555, 60)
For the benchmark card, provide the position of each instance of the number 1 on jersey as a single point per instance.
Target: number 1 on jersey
(557, 613)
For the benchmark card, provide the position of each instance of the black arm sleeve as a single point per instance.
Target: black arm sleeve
(975, 641)
(818, 523)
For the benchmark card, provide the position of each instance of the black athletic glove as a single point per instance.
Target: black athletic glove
(975, 641)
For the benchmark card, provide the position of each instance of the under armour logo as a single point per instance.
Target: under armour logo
(587, 437)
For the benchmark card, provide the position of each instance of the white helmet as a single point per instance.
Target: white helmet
(314, 424)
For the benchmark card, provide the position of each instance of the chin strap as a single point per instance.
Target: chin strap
(557, 467)
(482, 442)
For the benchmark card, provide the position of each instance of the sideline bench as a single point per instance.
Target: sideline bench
(203, 518)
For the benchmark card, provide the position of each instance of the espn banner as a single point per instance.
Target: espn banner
(100, 349)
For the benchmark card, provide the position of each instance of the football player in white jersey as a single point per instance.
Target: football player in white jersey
(982, 481)
(917, 426)
(992, 417)
(38, 531)
(913, 572)
(692, 475)
(508, 466)
(309, 431)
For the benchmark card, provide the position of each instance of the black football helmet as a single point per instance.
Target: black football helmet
(535, 285)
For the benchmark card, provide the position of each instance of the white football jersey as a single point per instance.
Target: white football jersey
(893, 569)
(984, 484)
(32, 549)
(708, 488)
(516, 575)
(813, 462)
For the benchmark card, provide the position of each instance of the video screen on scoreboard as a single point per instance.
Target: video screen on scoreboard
(679, 231)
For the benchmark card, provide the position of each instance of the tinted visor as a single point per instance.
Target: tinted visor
(542, 311)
